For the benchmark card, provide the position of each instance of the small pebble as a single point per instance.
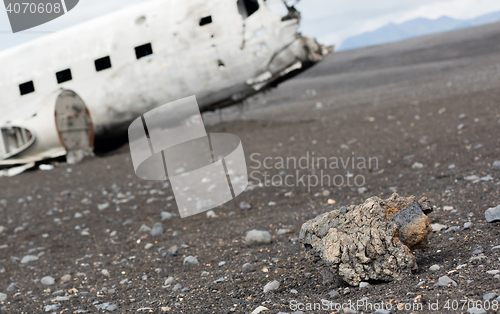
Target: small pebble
(29, 258)
(434, 268)
(157, 229)
(333, 294)
(445, 281)
(257, 237)
(247, 268)
(66, 278)
(166, 216)
(47, 280)
(211, 214)
(245, 206)
(271, 286)
(190, 261)
(169, 281)
(363, 284)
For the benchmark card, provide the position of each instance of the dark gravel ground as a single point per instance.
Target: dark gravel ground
(400, 103)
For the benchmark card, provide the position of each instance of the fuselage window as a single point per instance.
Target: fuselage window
(64, 76)
(247, 7)
(206, 20)
(102, 64)
(143, 51)
(26, 88)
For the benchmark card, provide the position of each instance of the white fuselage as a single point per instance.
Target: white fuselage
(213, 62)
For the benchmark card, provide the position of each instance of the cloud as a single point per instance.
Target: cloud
(332, 21)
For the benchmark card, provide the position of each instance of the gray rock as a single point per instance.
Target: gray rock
(489, 296)
(66, 278)
(283, 231)
(166, 216)
(29, 258)
(333, 294)
(51, 307)
(211, 214)
(294, 291)
(434, 268)
(205, 274)
(157, 229)
(341, 240)
(362, 190)
(259, 309)
(452, 229)
(248, 268)
(445, 281)
(61, 299)
(417, 166)
(173, 251)
(475, 310)
(437, 227)
(222, 263)
(78, 215)
(257, 237)
(144, 229)
(107, 306)
(472, 178)
(382, 311)
(177, 287)
(3, 297)
(245, 206)
(47, 280)
(363, 284)
(496, 165)
(102, 206)
(105, 272)
(478, 250)
(492, 214)
(343, 210)
(190, 261)
(221, 279)
(12, 287)
(468, 225)
(170, 280)
(271, 286)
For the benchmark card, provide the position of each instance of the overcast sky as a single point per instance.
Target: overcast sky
(331, 21)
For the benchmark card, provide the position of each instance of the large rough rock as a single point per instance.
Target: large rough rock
(371, 241)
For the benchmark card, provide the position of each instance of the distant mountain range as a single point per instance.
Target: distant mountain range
(414, 28)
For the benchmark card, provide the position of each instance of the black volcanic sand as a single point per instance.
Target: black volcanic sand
(399, 103)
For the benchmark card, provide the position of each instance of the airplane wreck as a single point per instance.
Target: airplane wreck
(92, 80)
